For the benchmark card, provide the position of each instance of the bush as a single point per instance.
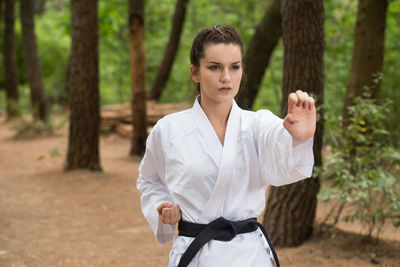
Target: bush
(30, 128)
(363, 172)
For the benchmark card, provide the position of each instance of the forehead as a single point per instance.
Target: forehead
(222, 53)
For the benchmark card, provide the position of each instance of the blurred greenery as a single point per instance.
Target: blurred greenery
(363, 168)
(53, 36)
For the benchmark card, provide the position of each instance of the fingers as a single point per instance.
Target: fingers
(301, 99)
(292, 100)
(170, 214)
(311, 103)
(164, 205)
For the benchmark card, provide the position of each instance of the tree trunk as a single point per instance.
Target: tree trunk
(39, 6)
(32, 60)
(83, 147)
(259, 53)
(170, 51)
(291, 209)
(369, 39)
(67, 85)
(138, 76)
(9, 60)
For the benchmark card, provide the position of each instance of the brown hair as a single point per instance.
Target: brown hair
(214, 35)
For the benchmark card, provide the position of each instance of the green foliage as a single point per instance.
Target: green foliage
(339, 40)
(53, 41)
(340, 19)
(26, 128)
(114, 52)
(270, 94)
(53, 153)
(363, 172)
(244, 15)
(54, 53)
(19, 62)
(53, 35)
(391, 83)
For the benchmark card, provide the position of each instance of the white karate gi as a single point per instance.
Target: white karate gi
(185, 163)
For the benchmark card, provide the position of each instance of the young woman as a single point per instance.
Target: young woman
(207, 168)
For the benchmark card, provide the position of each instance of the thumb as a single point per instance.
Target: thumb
(176, 206)
(290, 119)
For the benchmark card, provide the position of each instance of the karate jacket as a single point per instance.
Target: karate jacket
(185, 163)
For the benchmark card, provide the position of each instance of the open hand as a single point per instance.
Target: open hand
(300, 120)
(169, 213)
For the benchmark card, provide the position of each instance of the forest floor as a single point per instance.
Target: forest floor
(49, 217)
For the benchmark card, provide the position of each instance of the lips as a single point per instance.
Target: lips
(225, 89)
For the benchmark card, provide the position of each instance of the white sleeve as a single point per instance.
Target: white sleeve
(279, 161)
(151, 186)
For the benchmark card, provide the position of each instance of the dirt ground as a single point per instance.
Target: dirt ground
(49, 217)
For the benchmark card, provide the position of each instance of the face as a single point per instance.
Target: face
(219, 73)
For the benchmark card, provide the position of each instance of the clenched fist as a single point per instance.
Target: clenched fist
(169, 213)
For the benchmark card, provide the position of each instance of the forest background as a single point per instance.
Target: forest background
(365, 150)
(53, 36)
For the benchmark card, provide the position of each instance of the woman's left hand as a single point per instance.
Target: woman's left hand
(300, 120)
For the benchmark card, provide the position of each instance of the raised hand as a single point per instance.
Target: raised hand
(300, 120)
(169, 213)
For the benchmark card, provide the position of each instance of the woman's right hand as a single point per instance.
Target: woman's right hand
(169, 213)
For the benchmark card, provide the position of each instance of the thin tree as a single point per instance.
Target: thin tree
(83, 145)
(170, 51)
(9, 61)
(138, 76)
(32, 61)
(291, 209)
(259, 52)
(368, 51)
(39, 6)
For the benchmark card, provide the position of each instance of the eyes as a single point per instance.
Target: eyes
(216, 67)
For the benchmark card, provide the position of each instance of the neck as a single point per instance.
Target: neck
(217, 113)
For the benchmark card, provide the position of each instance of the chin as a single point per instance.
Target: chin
(225, 98)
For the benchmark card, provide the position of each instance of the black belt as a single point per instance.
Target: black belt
(219, 229)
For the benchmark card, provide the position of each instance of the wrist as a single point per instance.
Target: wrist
(296, 142)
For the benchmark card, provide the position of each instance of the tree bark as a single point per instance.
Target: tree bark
(32, 61)
(138, 76)
(291, 209)
(83, 146)
(368, 51)
(39, 6)
(259, 53)
(9, 60)
(170, 51)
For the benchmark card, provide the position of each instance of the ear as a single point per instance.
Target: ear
(194, 72)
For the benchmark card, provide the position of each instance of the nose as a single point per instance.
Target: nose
(226, 76)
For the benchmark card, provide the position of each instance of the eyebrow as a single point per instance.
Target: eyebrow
(214, 62)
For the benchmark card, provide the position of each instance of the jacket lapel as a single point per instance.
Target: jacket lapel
(211, 139)
(214, 206)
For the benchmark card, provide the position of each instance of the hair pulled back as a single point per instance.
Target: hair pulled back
(213, 35)
(218, 34)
